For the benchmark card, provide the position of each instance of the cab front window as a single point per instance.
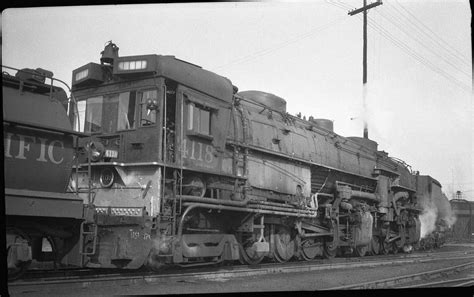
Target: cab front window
(106, 114)
(93, 115)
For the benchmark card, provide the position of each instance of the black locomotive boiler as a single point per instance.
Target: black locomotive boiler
(186, 170)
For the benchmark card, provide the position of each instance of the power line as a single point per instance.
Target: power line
(431, 49)
(437, 37)
(266, 51)
(411, 52)
(401, 26)
(453, 55)
(339, 4)
(415, 55)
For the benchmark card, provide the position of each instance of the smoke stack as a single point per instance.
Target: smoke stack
(366, 131)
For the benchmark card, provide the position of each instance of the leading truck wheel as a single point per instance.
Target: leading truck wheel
(18, 253)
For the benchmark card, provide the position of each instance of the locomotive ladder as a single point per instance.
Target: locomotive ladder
(88, 229)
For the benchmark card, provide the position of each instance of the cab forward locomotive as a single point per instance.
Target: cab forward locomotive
(181, 168)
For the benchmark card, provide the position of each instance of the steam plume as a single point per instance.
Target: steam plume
(436, 211)
(428, 220)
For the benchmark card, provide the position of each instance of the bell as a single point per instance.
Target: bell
(109, 53)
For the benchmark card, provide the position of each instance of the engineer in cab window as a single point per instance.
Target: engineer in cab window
(149, 107)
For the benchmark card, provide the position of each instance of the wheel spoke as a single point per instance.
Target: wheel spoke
(284, 245)
(248, 255)
(310, 249)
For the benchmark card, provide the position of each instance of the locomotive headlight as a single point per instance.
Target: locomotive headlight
(106, 177)
(96, 150)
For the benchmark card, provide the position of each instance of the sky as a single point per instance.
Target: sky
(419, 100)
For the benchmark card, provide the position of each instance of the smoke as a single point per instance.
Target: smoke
(435, 212)
(428, 220)
(446, 213)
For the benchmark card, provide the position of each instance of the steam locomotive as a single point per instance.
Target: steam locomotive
(180, 168)
(186, 170)
(42, 219)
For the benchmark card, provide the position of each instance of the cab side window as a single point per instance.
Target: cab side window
(148, 107)
(199, 119)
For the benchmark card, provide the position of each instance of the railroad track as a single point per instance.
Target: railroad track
(84, 280)
(397, 282)
(456, 282)
(77, 273)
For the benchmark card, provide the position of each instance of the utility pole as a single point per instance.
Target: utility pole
(364, 10)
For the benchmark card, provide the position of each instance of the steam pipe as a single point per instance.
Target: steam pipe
(213, 201)
(279, 208)
(235, 152)
(240, 203)
(252, 210)
(364, 195)
(191, 206)
(269, 203)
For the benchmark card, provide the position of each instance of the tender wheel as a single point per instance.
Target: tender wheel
(18, 253)
(284, 245)
(360, 251)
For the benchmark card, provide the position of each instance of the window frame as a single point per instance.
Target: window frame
(141, 107)
(195, 107)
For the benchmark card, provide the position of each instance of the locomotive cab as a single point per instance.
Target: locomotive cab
(157, 123)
